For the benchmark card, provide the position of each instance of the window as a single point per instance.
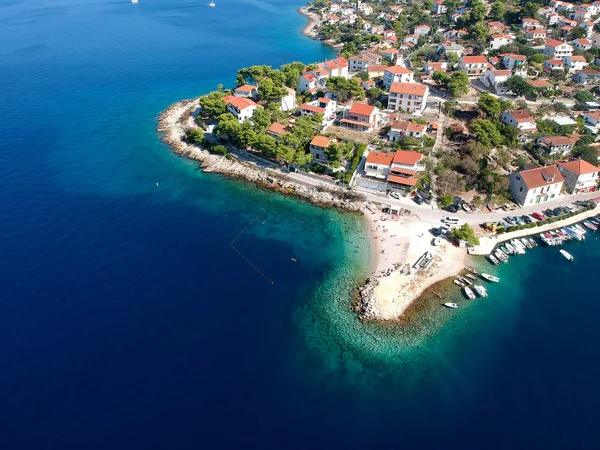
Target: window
(521, 189)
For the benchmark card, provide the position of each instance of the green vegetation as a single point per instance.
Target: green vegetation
(465, 233)
(346, 89)
(213, 104)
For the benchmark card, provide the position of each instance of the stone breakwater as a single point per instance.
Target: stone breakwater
(178, 118)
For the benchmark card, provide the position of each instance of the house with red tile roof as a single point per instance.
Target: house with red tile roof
(581, 44)
(554, 64)
(587, 75)
(575, 63)
(246, 91)
(323, 105)
(406, 128)
(399, 168)
(393, 74)
(410, 97)
(580, 175)
(318, 147)
(361, 117)
(377, 164)
(473, 66)
(519, 118)
(241, 108)
(539, 85)
(556, 145)
(422, 30)
(557, 49)
(498, 40)
(534, 186)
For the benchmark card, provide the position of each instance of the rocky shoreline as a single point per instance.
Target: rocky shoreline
(178, 118)
(310, 29)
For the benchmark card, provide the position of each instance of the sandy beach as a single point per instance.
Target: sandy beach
(400, 241)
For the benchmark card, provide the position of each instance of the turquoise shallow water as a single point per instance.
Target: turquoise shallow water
(127, 321)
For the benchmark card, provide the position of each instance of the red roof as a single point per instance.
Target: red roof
(538, 83)
(408, 88)
(554, 43)
(555, 62)
(479, 59)
(245, 88)
(320, 141)
(381, 158)
(541, 176)
(407, 158)
(362, 110)
(408, 126)
(314, 109)
(407, 181)
(239, 102)
(578, 166)
(521, 115)
(558, 140)
(397, 70)
(277, 128)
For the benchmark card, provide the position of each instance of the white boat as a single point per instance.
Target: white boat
(526, 243)
(212, 4)
(134, 1)
(481, 291)
(532, 242)
(459, 283)
(471, 269)
(451, 305)
(494, 260)
(487, 276)
(469, 293)
(567, 255)
(470, 276)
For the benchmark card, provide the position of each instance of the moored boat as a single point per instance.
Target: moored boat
(494, 260)
(567, 255)
(471, 269)
(470, 276)
(469, 293)
(451, 305)
(532, 242)
(526, 243)
(589, 225)
(458, 282)
(489, 277)
(481, 291)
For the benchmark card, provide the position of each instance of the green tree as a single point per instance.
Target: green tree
(489, 105)
(587, 153)
(213, 104)
(578, 33)
(478, 11)
(228, 126)
(465, 233)
(497, 11)
(529, 10)
(519, 86)
(261, 119)
(584, 96)
(441, 78)
(446, 200)
(268, 90)
(459, 84)
(487, 133)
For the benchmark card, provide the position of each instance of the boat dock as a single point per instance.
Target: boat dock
(487, 244)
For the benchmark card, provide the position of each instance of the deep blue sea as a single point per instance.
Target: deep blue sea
(127, 321)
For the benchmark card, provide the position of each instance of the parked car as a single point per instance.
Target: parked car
(418, 199)
(395, 195)
(526, 219)
(549, 213)
(539, 216)
(557, 211)
(452, 208)
(519, 220)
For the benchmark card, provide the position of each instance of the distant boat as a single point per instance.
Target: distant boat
(489, 277)
(567, 255)
(459, 283)
(134, 1)
(212, 4)
(472, 270)
(451, 305)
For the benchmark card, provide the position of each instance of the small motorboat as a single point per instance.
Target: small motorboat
(487, 276)
(459, 283)
(494, 260)
(451, 305)
(481, 291)
(567, 255)
(532, 242)
(470, 276)
(212, 4)
(466, 281)
(470, 269)
(590, 226)
(526, 243)
(469, 293)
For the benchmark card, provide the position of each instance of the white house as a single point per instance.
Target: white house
(422, 30)
(288, 102)
(324, 106)
(554, 64)
(361, 117)
(592, 121)
(411, 38)
(431, 67)
(529, 22)
(581, 44)
(557, 49)
(533, 186)
(241, 108)
(498, 40)
(246, 91)
(406, 128)
(439, 7)
(410, 97)
(556, 145)
(378, 165)
(473, 66)
(575, 63)
(405, 166)
(535, 33)
(514, 63)
(579, 175)
(519, 118)
(496, 79)
(586, 76)
(360, 63)
(394, 74)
